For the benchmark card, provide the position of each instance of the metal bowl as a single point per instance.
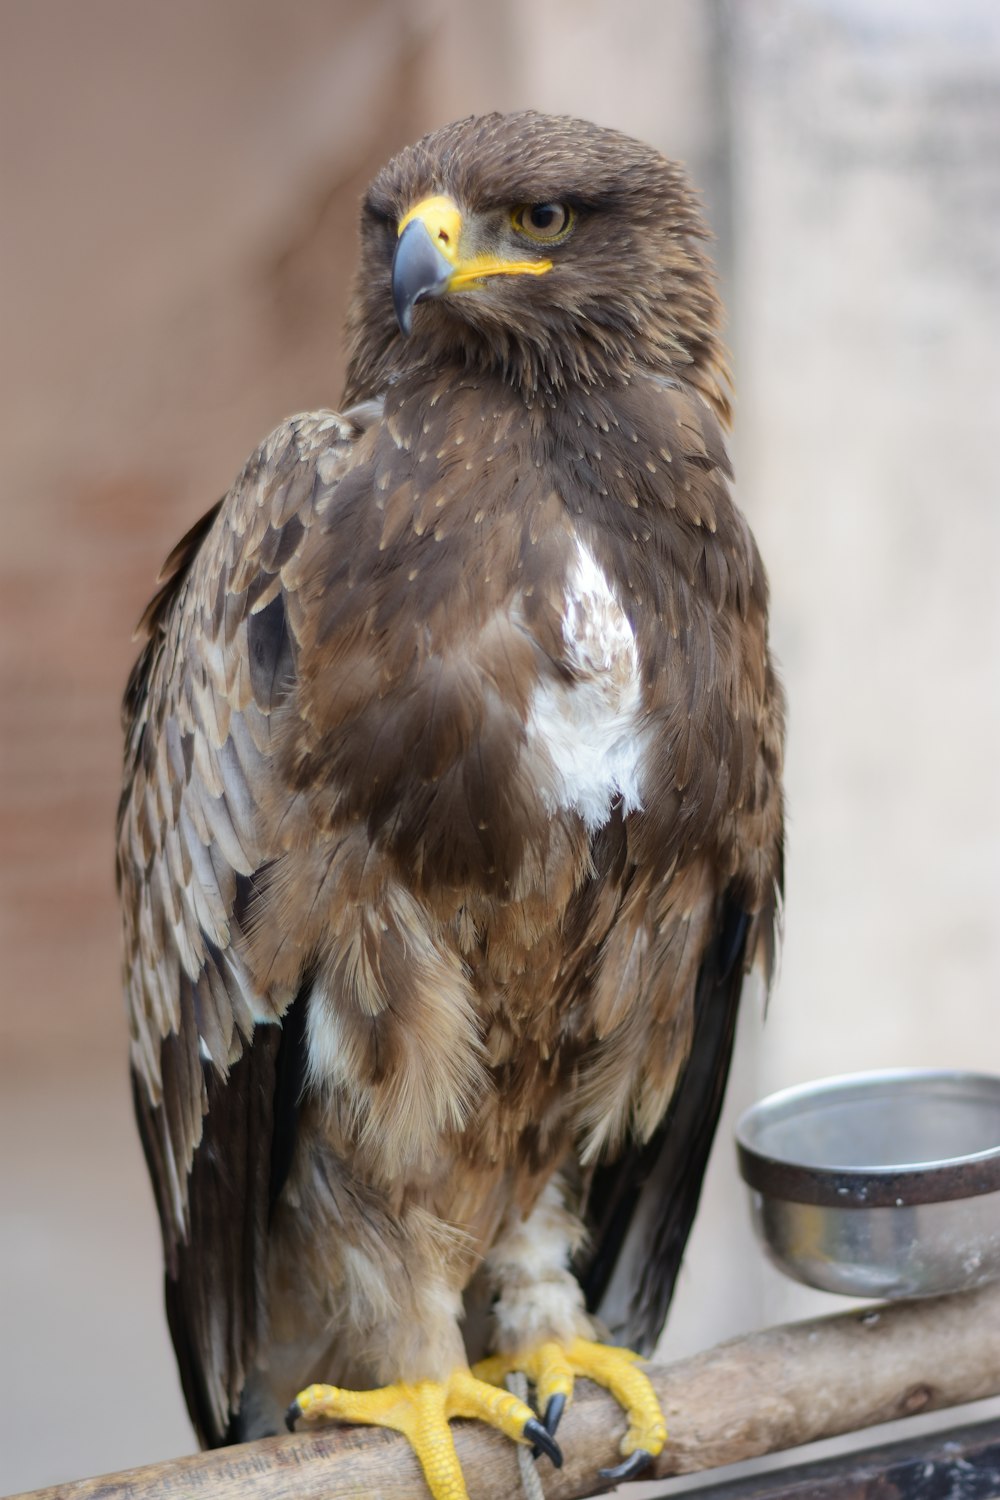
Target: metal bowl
(879, 1184)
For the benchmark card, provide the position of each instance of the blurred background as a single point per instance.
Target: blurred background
(180, 187)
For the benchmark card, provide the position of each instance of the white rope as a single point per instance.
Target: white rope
(517, 1383)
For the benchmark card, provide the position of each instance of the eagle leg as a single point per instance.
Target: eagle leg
(553, 1367)
(422, 1411)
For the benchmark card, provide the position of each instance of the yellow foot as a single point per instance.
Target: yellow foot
(552, 1369)
(422, 1412)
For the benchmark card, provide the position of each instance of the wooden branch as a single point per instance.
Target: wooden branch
(769, 1391)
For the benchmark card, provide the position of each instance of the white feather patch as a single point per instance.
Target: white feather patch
(589, 733)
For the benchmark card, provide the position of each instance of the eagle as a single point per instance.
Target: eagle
(452, 820)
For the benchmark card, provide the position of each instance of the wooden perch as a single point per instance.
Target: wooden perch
(755, 1395)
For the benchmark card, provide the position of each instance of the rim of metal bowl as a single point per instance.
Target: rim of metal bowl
(899, 1186)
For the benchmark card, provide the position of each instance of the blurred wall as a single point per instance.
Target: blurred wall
(180, 190)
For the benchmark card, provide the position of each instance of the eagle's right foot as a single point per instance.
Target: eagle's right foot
(422, 1411)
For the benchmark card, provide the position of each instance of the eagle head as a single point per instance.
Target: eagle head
(545, 249)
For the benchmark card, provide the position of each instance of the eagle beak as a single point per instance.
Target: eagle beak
(422, 265)
(427, 262)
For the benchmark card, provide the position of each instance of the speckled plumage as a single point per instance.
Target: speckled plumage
(452, 811)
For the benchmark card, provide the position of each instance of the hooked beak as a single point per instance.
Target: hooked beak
(427, 262)
(419, 269)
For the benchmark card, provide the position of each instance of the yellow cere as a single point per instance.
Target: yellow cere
(442, 219)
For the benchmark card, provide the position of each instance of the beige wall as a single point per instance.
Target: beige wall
(179, 189)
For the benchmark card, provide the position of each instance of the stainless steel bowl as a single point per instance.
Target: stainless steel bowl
(879, 1184)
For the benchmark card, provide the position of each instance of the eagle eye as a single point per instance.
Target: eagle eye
(546, 222)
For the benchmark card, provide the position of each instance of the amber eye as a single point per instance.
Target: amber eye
(547, 222)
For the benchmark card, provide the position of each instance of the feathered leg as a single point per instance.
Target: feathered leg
(542, 1329)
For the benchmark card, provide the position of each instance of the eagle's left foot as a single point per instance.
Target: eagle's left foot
(552, 1368)
(422, 1411)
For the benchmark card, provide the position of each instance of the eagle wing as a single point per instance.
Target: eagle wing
(640, 1206)
(688, 927)
(216, 1082)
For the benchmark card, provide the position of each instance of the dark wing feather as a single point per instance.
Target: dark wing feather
(152, 625)
(216, 1081)
(641, 1206)
(213, 1284)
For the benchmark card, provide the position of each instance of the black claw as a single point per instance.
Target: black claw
(553, 1413)
(292, 1415)
(543, 1441)
(630, 1469)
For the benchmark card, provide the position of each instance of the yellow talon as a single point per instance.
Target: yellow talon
(547, 1367)
(617, 1370)
(552, 1367)
(422, 1411)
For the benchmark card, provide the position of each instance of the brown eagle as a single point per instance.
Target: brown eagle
(452, 818)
